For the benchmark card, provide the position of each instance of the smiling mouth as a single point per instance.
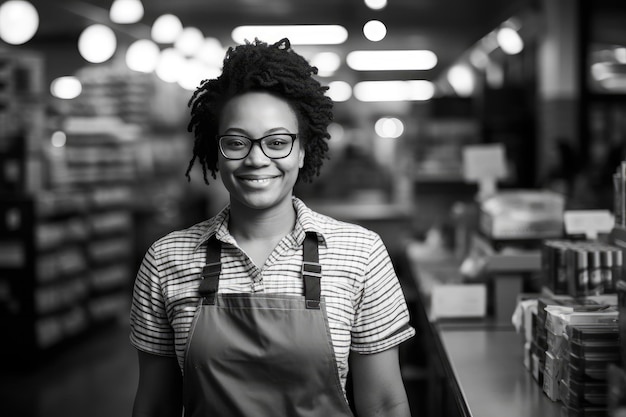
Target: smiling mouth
(263, 180)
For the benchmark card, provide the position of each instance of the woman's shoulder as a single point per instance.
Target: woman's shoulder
(335, 229)
(185, 237)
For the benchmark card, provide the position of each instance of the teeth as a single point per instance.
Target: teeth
(258, 181)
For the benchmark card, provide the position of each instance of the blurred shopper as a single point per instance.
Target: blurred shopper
(263, 309)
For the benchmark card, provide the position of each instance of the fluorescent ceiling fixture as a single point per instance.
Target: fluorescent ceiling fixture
(58, 139)
(391, 60)
(414, 90)
(376, 4)
(326, 62)
(126, 11)
(601, 71)
(97, 43)
(461, 78)
(617, 83)
(211, 52)
(166, 29)
(478, 58)
(142, 56)
(297, 34)
(339, 91)
(19, 22)
(375, 30)
(510, 41)
(66, 88)
(336, 132)
(170, 65)
(189, 41)
(191, 74)
(389, 127)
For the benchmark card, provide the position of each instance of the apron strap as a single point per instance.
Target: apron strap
(311, 271)
(211, 271)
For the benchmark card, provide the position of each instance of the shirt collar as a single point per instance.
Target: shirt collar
(305, 222)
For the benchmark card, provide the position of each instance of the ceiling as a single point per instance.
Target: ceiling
(447, 27)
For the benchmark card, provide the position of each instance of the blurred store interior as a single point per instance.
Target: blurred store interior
(94, 146)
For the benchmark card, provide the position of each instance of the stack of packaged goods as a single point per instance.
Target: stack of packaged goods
(562, 355)
(543, 341)
(580, 268)
(616, 376)
(589, 350)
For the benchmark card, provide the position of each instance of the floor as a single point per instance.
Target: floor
(96, 376)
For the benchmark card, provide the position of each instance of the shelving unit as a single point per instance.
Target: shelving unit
(66, 221)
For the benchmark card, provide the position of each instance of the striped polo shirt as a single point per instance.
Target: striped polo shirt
(366, 309)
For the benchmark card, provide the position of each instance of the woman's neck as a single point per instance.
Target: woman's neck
(251, 224)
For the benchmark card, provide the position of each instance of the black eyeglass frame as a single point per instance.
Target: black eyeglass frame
(293, 136)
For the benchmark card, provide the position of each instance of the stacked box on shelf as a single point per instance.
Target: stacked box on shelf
(581, 268)
(559, 358)
(591, 350)
(539, 345)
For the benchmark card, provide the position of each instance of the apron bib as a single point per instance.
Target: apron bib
(257, 355)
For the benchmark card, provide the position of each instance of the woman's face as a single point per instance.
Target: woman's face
(257, 181)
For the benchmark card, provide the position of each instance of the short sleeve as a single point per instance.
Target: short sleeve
(382, 316)
(150, 329)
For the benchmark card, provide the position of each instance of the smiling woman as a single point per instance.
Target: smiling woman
(263, 309)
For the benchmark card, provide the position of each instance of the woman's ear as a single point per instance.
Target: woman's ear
(301, 154)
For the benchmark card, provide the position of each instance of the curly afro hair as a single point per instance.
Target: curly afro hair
(276, 69)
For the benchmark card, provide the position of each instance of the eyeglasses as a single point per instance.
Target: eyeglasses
(274, 146)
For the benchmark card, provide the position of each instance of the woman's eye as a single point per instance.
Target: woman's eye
(235, 143)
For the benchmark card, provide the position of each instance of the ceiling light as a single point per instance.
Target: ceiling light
(297, 34)
(339, 91)
(170, 65)
(189, 41)
(126, 11)
(414, 90)
(142, 56)
(376, 4)
(66, 88)
(192, 73)
(375, 30)
(211, 52)
(166, 29)
(478, 58)
(510, 41)
(97, 43)
(389, 127)
(601, 71)
(19, 21)
(391, 60)
(58, 139)
(461, 78)
(326, 62)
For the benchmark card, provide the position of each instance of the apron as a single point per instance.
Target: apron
(257, 355)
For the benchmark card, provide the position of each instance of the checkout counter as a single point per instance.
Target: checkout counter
(474, 365)
(475, 362)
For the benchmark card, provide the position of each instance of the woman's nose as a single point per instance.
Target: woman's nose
(256, 155)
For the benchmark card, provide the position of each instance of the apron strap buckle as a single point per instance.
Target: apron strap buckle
(210, 282)
(312, 274)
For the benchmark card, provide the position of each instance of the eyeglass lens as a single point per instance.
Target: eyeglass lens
(274, 146)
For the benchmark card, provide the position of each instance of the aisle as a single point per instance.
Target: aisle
(96, 377)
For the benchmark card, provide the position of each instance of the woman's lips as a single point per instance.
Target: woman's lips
(257, 180)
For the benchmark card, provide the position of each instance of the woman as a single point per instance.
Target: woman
(259, 310)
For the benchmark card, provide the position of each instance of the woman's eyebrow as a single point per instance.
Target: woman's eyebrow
(244, 132)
